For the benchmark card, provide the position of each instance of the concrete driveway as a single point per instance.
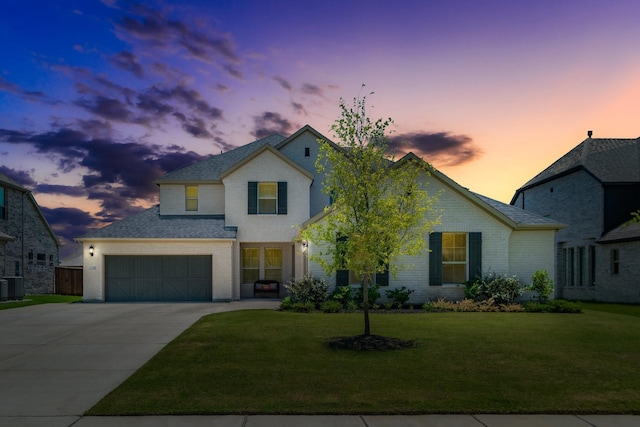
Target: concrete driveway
(58, 360)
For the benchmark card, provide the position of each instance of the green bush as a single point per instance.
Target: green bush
(331, 306)
(553, 306)
(308, 289)
(286, 304)
(541, 285)
(303, 307)
(373, 291)
(399, 295)
(342, 294)
(499, 288)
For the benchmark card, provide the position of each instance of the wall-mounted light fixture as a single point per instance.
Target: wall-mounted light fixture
(305, 244)
(91, 250)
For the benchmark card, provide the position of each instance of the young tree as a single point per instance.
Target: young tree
(381, 209)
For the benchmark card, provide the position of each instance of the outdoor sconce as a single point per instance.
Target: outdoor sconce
(304, 245)
(91, 250)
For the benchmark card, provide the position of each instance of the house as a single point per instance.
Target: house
(227, 222)
(29, 248)
(593, 189)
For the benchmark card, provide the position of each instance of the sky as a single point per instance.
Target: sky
(100, 98)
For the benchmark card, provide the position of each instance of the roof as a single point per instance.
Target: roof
(522, 218)
(512, 216)
(610, 160)
(625, 233)
(213, 168)
(149, 224)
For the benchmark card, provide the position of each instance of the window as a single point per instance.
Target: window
(41, 259)
(267, 198)
(460, 254)
(615, 261)
(581, 266)
(273, 264)
(570, 270)
(454, 257)
(250, 265)
(3, 203)
(306, 152)
(191, 197)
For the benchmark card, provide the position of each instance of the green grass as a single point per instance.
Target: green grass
(267, 362)
(626, 309)
(39, 299)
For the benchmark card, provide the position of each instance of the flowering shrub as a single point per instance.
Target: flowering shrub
(308, 289)
(499, 288)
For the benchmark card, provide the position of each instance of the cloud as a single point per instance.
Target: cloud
(157, 30)
(117, 173)
(440, 148)
(269, 123)
(311, 89)
(69, 223)
(283, 83)
(21, 177)
(127, 61)
(108, 108)
(65, 190)
(27, 95)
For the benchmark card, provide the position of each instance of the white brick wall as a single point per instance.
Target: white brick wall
(210, 200)
(504, 250)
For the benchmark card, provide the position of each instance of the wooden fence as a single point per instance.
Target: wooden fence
(69, 281)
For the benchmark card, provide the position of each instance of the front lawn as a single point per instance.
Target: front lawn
(268, 362)
(39, 299)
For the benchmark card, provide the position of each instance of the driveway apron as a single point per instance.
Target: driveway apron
(58, 360)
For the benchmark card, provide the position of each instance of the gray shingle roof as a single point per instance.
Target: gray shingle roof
(212, 169)
(519, 216)
(608, 159)
(149, 224)
(624, 233)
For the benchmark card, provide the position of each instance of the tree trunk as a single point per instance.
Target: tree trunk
(365, 304)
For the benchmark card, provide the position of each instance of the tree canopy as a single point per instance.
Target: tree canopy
(380, 207)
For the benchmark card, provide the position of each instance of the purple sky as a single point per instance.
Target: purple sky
(99, 98)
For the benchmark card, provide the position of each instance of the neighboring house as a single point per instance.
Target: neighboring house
(593, 188)
(30, 247)
(226, 222)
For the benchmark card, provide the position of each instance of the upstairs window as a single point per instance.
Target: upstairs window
(191, 198)
(267, 198)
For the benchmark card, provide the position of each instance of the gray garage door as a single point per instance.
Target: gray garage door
(158, 278)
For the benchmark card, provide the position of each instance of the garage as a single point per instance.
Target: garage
(158, 278)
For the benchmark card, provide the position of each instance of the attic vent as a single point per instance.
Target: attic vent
(589, 133)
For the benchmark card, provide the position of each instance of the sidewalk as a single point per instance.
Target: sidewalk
(484, 420)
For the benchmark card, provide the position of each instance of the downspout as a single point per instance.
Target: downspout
(22, 238)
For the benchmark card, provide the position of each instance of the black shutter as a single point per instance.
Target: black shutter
(475, 255)
(282, 198)
(342, 278)
(435, 259)
(382, 279)
(252, 198)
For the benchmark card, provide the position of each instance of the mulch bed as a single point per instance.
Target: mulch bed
(369, 343)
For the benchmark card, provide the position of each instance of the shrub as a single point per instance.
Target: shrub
(331, 306)
(373, 291)
(439, 305)
(553, 306)
(286, 304)
(399, 295)
(303, 307)
(499, 288)
(342, 294)
(308, 289)
(541, 285)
